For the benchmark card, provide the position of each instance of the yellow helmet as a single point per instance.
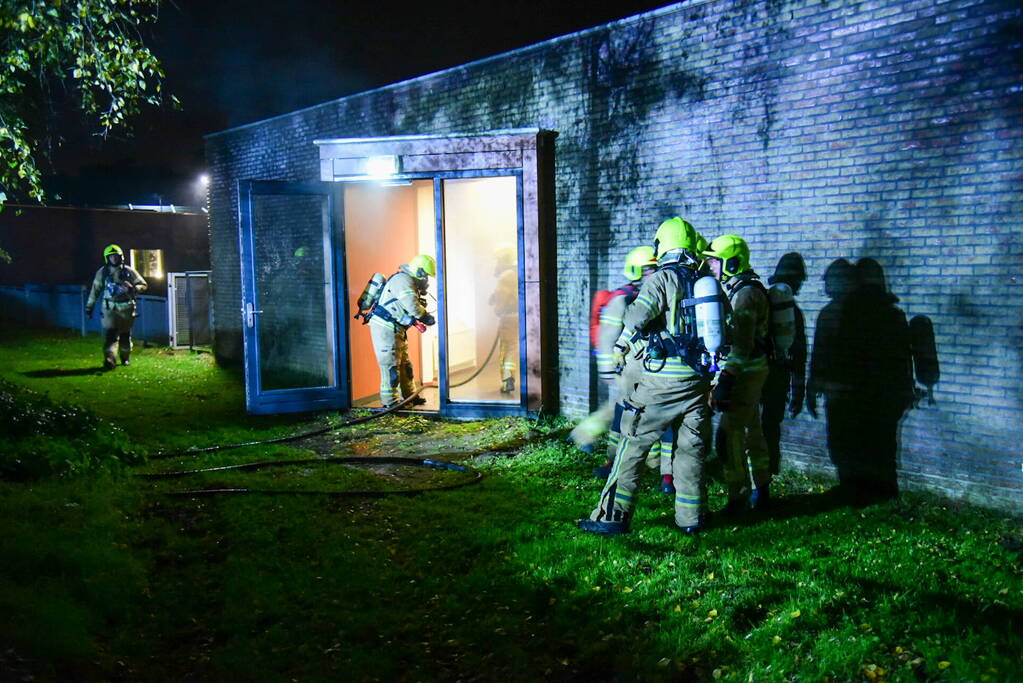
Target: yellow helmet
(422, 265)
(638, 259)
(733, 252)
(674, 233)
(113, 249)
(505, 257)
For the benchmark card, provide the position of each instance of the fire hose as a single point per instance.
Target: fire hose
(361, 460)
(294, 437)
(378, 460)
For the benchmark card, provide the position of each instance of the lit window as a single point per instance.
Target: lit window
(148, 262)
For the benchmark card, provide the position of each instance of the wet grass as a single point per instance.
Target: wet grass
(107, 578)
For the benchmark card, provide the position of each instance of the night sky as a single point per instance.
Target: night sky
(232, 62)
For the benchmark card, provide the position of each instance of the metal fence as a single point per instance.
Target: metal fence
(188, 315)
(64, 306)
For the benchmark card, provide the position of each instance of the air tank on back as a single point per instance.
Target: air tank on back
(783, 318)
(710, 316)
(370, 295)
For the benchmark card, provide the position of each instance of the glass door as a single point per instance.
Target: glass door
(482, 294)
(293, 316)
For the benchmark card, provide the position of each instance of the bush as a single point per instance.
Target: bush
(40, 437)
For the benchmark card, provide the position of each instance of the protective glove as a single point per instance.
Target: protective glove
(428, 319)
(721, 396)
(618, 355)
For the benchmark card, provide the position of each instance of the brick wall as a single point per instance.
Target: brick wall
(890, 130)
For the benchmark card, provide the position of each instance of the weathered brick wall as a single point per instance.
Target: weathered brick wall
(882, 129)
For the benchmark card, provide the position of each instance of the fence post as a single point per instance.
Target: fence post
(81, 307)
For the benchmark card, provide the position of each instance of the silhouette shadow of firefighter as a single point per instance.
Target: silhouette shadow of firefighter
(863, 366)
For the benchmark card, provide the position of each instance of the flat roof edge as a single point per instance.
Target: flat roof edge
(438, 136)
(667, 9)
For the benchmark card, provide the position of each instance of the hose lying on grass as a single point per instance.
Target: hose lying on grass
(372, 460)
(294, 437)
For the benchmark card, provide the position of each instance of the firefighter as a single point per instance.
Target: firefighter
(671, 392)
(115, 285)
(505, 302)
(402, 304)
(737, 392)
(786, 376)
(610, 311)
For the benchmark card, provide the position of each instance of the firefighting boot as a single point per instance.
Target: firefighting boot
(760, 499)
(604, 528)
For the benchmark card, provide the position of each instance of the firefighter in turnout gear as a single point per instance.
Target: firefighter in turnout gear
(740, 441)
(114, 287)
(609, 309)
(505, 302)
(671, 392)
(401, 305)
(786, 377)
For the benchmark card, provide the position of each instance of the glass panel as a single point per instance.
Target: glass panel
(482, 289)
(293, 286)
(148, 262)
(199, 309)
(385, 226)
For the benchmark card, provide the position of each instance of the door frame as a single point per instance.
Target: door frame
(447, 407)
(338, 396)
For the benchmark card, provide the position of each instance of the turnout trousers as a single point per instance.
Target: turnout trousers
(117, 320)
(508, 345)
(774, 399)
(657, 404)
(391, 350)
(741, 438)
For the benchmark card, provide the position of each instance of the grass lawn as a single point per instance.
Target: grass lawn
(106, 577)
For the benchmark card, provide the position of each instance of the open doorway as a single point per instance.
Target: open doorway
(386, 224)
(482, 206)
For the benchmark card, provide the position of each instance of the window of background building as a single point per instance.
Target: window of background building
(148, 262)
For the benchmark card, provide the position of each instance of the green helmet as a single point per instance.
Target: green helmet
(638, 259)
(422, 265)
(112, 249)
(674, 233)
(733, 252)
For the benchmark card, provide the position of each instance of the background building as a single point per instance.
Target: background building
(64, 245)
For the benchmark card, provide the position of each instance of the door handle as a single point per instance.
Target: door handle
(250, 314)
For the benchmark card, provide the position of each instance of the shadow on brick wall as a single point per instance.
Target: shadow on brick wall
(864, 353)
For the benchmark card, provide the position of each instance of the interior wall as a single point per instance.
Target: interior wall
(382, 231)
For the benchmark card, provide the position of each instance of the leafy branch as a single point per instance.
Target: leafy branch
(93, 51)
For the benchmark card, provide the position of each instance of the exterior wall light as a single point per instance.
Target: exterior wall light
(384, 166)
